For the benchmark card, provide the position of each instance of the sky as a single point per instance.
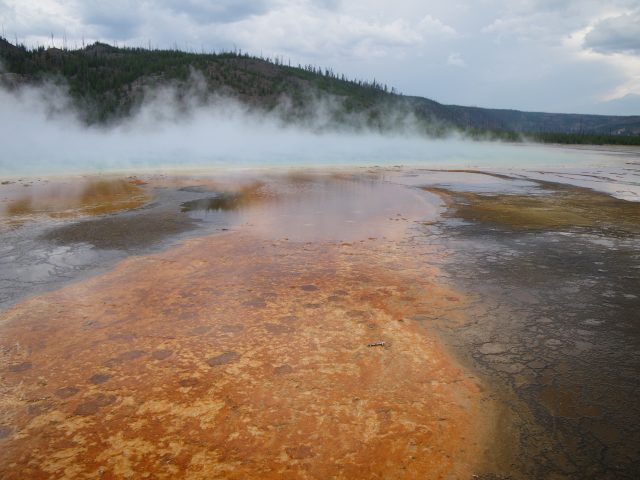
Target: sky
(578, 56)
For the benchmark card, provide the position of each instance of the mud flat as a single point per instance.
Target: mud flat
(552, 274)
(291, 346)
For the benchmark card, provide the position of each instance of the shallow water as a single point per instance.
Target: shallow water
(530, 280)
(321, 208)
(44, 251)
(186, 147)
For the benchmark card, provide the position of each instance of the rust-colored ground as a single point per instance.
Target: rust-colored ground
(234, 356)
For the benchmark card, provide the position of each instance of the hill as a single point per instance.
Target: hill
(107, 83)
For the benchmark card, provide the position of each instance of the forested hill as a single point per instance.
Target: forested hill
(107, 83)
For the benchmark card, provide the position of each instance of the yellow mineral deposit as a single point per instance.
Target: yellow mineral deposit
(67, 199)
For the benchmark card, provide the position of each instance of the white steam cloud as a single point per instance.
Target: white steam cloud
(41, 134)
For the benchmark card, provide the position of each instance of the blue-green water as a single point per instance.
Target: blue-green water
(89, 151)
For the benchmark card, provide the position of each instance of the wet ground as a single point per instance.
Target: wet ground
(46, 247)
(501, 311)
(554, 279)
(284, 347)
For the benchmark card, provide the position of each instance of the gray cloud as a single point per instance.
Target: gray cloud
(219, 11)
(125, 20)
(116, 20)
(619, 34)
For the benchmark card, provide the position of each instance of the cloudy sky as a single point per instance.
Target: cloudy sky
(541, 55)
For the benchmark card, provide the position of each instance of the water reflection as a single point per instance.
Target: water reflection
(303, 207)
(71, 198)
(224, 201)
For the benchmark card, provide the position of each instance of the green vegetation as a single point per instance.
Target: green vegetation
(586, 138)
(553, 137)
(108, 83)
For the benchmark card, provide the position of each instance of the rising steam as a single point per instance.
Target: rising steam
(181, 126)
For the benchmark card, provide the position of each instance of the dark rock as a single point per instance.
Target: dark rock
(99, 378)
(66, 392)
(223, 358)
(20, 367)
(188, 382)
(125, 357)
(161, 354)
(283, 369)
(299, 453)
(5, 431)
(232, 328)
(92, 405)
(37, 408)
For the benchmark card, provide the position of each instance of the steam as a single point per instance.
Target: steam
(182, 126)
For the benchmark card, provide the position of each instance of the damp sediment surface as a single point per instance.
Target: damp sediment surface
(392, 322)
(555, 277)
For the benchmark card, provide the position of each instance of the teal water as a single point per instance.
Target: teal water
(92, 151)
